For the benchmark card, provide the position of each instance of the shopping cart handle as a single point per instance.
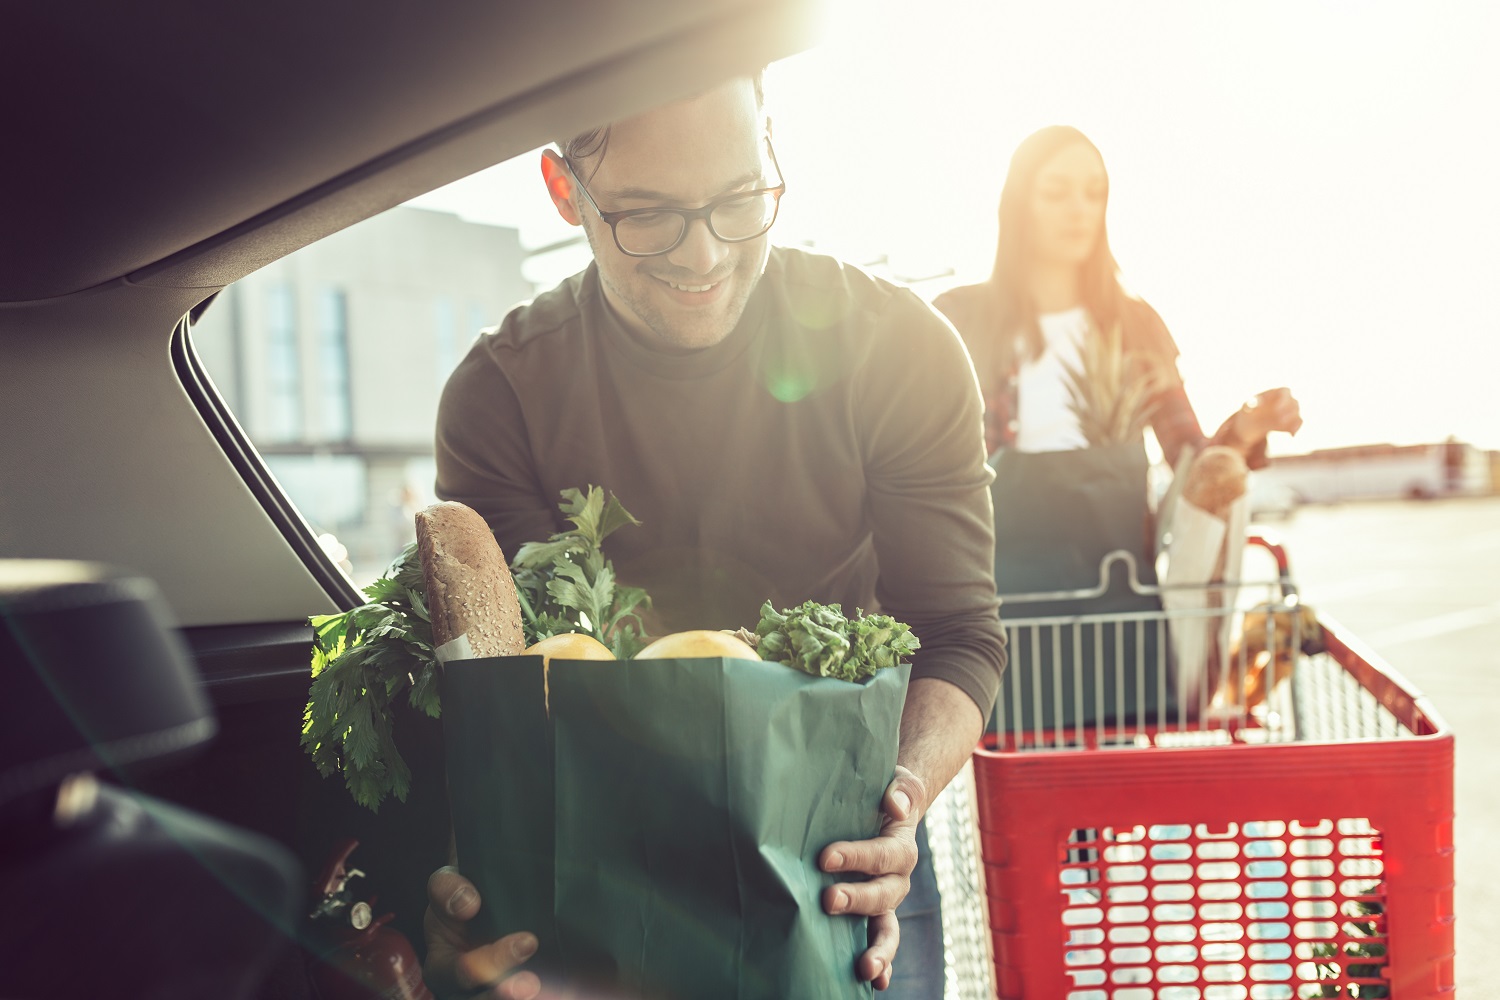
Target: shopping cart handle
(1283, 564)
(1106, 572)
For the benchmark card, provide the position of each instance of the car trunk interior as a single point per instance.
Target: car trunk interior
(178, 148)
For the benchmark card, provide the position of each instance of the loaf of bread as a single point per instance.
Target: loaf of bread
(1216, 478)
(470, 593)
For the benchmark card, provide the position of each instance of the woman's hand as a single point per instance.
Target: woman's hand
(1272, 410)
(459, 966)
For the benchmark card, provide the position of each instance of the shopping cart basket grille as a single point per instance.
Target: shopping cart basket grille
(1261, 910)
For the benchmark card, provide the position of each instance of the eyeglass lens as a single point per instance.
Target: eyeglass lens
(737, 219)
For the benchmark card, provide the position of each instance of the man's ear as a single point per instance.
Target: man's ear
(560, 186)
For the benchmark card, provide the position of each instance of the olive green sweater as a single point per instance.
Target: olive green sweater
(830, 448)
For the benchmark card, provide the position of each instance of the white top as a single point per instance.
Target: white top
(1044, 420)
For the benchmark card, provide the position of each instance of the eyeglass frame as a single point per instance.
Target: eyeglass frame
(688, 215)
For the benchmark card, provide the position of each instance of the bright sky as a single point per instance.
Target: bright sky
(1307, 191)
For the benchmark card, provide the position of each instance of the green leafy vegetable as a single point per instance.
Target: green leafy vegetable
(818, 639)
(363, 658)
(566, 585)
(361, 661)
(1327, 956)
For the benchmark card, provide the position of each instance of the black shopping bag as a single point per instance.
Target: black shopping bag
(659, 827)
(1057, 515)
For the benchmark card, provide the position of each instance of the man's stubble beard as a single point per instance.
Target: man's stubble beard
(684, 333)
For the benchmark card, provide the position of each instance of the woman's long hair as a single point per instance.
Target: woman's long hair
(1011, 279)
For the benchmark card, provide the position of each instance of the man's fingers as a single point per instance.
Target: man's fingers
(877, 896)
(452, 895)
(452, 965)
(521, 986)
(875, 964)
(489, 964)
(892, 854)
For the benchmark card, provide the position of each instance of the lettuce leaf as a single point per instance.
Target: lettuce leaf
(817, 639)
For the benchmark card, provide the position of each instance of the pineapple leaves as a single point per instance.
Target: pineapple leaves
(1111, 391)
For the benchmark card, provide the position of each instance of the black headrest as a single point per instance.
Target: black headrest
(94, 674)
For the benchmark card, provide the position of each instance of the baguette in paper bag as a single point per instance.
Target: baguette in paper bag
(1208, 531)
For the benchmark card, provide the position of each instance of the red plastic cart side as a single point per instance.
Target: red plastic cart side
(1093, 856)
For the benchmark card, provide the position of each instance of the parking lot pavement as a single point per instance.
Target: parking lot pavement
(1420, 583)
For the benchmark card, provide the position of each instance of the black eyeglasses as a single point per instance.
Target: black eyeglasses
(732, 218)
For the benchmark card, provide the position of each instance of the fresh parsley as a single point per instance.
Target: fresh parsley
(566, 585)
(362, 659)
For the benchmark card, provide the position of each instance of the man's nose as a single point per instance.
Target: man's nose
(700, 251)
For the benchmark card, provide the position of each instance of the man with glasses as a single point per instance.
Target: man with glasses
(784, 426)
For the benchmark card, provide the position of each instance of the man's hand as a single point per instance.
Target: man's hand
(460, 967)
(888, 859)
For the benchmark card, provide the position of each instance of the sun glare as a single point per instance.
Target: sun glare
(1304, 190)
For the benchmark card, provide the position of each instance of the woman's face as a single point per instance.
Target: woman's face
(1067, 206)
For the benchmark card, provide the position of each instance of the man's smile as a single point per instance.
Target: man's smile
(693, 291)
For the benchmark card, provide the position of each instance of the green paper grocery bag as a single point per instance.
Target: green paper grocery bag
(659, 828)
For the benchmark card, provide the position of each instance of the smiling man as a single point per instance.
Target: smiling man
(672, 284)
(784, 426)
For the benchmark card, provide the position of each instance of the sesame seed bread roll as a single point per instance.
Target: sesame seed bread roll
(470, 593)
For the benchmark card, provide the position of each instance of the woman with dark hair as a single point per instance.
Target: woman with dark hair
(1072, 369)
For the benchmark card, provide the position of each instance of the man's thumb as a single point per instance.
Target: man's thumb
(905, 794)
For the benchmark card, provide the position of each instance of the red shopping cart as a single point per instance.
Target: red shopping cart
(1271, 821)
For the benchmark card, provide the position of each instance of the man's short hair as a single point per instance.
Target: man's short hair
(594, 142)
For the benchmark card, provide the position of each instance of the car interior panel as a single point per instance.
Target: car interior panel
(157, 153)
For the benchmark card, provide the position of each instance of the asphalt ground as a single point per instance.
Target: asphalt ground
(1420, 583)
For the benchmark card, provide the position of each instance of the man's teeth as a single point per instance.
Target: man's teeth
(690, 288)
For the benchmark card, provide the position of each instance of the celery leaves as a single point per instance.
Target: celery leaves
(364, 658)
(361, 660)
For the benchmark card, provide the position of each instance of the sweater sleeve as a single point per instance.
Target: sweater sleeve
(484, 459)
(964, 308)
(929, 500)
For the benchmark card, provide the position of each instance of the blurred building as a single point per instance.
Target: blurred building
(333, 358)
(1382, 471)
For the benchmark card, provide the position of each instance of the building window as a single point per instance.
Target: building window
(336, 408)
(283, 366)
(446, 353)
